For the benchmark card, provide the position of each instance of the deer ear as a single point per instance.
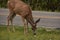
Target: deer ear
(37, 20)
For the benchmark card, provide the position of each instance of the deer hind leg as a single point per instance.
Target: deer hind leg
(8, 25)
(25, 25)
(13, 15)
(10, 19)
(12, 25)
(8, 22)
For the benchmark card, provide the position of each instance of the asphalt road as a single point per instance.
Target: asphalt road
(48, 19)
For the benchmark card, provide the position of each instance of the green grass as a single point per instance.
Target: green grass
(42, 34)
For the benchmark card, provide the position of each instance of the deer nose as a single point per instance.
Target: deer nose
(34, 33)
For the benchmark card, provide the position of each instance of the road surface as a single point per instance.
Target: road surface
(48, 19)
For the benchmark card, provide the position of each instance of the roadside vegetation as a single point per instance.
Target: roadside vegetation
(43, 5)
(42, 34)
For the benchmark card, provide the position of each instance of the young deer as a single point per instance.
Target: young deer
(22, 9)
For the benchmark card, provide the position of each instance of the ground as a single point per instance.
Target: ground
(42, 34)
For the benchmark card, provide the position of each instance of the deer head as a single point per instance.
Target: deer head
(34, 26)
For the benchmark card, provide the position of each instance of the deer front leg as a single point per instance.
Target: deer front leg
(25, 26)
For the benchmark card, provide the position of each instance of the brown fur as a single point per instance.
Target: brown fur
(20, 8)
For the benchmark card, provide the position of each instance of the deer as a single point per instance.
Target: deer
(18, 7)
